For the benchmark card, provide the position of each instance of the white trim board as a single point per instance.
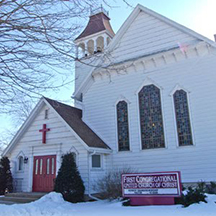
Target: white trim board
(124, 28)
(33, 115)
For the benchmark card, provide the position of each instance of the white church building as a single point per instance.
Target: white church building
(144, 99)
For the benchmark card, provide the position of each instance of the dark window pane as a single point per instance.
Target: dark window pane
(182, 118)
(96, 161)
(36, 167)
(151, 120)
(21, 162)
(48, 166)
(122, 123)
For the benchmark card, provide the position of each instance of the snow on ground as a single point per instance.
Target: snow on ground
(53, 204)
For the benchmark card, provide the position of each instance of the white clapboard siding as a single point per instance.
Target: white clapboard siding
(83, 68)
(97, 175)
(197, 76)
(148, 34)
(59, 140)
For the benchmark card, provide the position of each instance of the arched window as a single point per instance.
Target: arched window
(81, 50)
(182, 118)
(108, 40)
(90, 45)
(151, 120)
(75, 157)
(100, 44)
(122, 123)
(20, 163)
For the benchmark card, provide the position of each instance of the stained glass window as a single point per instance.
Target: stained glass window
(151, 120)
(182, 118)
(122, 123)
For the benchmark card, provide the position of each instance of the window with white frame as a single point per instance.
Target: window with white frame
(20, 163)
(182, 118)
(151, 119)
(122, 125)
(46, 114)
(96, 161)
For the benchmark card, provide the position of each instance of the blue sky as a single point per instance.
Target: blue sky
(199, 15)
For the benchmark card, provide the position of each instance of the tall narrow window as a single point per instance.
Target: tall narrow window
(122, 123)
(36, 167)
(182, 118)
(48, 166)
(21, 163)
(151, 120)
(53, 166)
(41, 166)
(46, 114)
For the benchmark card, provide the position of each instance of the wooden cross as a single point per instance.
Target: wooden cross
(44, 130)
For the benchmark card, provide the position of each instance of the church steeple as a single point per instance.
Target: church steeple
(97, 34)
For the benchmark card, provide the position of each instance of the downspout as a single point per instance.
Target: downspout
(89, 170)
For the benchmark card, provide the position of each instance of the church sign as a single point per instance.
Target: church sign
(164, 185)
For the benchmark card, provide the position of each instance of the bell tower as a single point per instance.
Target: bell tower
(96, 36)
(90, 44)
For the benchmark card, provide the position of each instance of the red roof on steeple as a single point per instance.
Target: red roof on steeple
(97, 23)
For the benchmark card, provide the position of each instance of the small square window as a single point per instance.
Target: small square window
(96, 161)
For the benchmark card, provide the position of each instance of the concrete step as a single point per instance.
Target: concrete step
(35, 195)
(17, 199)
(13, 198)
(6, 202)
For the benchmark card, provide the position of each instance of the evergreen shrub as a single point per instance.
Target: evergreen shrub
(194, 195)
(211, 188)
(68, 181)
(6, 179)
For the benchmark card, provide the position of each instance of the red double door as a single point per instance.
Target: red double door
(44, 173)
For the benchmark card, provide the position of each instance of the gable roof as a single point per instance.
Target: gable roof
(166, 20)
(72, 117)
(125, 27)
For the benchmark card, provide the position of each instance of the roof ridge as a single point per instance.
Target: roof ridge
(126, 25)
(49, 99)
(71, 117)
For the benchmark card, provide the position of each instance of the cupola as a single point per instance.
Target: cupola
(97, 34)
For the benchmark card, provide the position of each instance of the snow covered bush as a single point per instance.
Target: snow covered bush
(68, 181)
(194, 195)
(6, 179)
(109, 187)
(211, 188)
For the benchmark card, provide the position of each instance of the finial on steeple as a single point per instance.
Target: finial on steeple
(99, 10)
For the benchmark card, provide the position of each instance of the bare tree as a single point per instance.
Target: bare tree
(5, 138)
(20, 113)
(36, 39)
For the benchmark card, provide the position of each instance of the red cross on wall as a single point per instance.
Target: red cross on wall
(44, 130)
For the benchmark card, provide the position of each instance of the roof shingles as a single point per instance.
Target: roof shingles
(73, 117)
(97, 23)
